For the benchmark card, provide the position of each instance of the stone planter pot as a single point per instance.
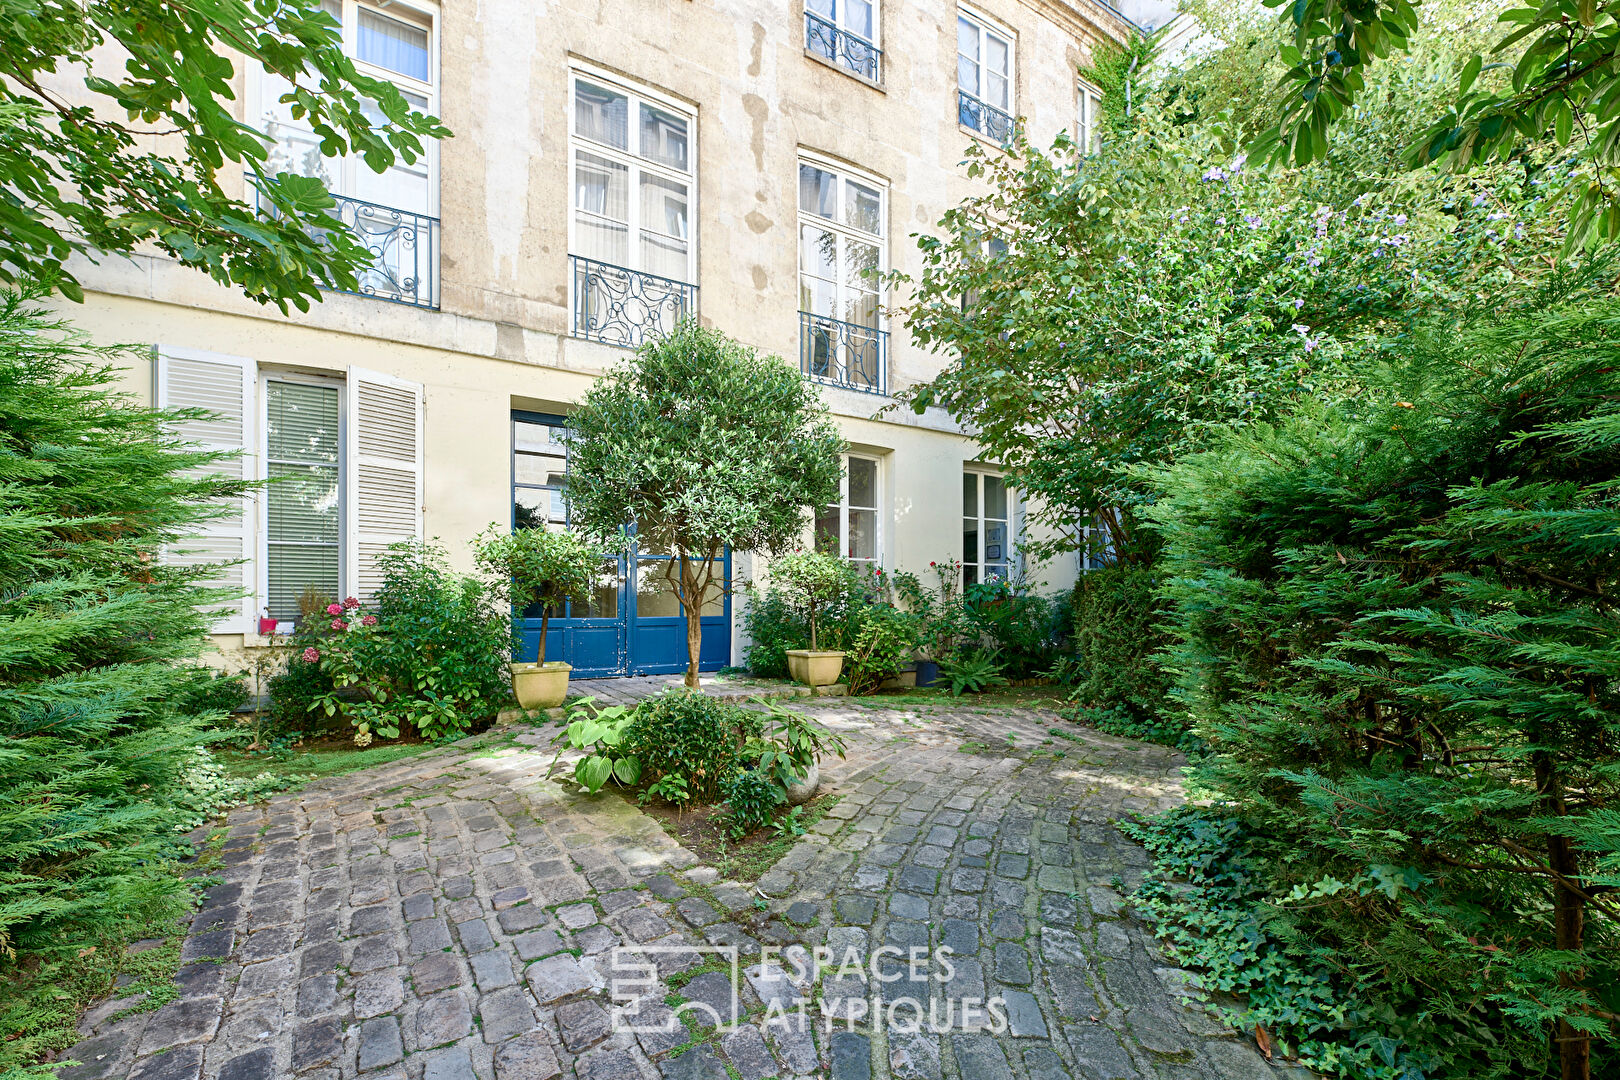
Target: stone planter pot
(541, 686)
(805, 789)
(814, 668)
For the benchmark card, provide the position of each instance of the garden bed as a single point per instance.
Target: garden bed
(703, 830)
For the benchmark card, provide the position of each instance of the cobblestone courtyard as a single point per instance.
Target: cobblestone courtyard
(455, 916)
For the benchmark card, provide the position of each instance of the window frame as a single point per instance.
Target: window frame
(842, 232)
(1087, 114)
(879, 533)
(1010, 558)
(264, 377)
(986, 27)
(635, 165)
(837, 22)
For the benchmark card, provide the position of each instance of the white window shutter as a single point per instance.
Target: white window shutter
(383, 474)
(226, 386)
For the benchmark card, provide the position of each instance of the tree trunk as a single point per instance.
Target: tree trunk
(545, 620)
(1569, 920)
(692, 607)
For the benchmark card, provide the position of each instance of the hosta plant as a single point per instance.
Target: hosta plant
(600, 734)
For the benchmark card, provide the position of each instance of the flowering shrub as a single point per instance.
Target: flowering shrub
(432, 657)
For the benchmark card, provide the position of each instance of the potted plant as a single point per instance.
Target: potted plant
(810, 582)
(534, 566)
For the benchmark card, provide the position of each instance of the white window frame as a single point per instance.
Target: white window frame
(1011, 559)
(262, 524)
(879, 491)
(347, 167)
(838, 19)
(987, 26)
(843, 232)
(1087, 117)
(635, 164)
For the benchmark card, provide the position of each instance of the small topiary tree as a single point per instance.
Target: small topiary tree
(536, 566)
(700, 444)
(811, 582)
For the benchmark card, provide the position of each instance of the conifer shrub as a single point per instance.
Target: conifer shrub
(1396, 629)
(100, 716)
(1121, 685)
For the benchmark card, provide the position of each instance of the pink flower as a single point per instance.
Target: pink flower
(334, 609)
(311, 655)
(369, 620)
(351, 603)
(337, 624)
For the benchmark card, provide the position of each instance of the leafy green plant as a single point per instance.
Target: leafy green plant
(671, 788)
(773, 628)
(791, 823)
(788, 743)
(752, 797)
(811, 582)
(600, 734)
(690, 735)
(884, 641)
(973, 673)
(537, 566)
(1118, 637)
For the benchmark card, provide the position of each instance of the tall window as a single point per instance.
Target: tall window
(303, 506)
(844, 32)
(539, 477)
(841, 252)
(984, 77)
(850, 529)
(634, 172)
(1088, 118)
(986, 527)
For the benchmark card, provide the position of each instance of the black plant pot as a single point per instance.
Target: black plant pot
(927, 672)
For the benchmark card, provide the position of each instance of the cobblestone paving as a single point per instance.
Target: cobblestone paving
(457, 916)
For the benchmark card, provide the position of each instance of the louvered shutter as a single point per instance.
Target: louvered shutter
(384, 473)
(225, 386)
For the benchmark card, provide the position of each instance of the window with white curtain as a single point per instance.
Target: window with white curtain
(984, 75)
(304, 500)
(634, 174)
(987, 527)
(841, 226)
(1088, 117)
(851, 529)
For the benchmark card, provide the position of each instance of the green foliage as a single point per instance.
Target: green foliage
(704, 445)
(773, 627)
(752, 796)
(886, 640)
(693, 736)
(432, 657)
(1394, 628)
(1121, 72)
(297, 691)
(602, 733)
(1022, 628)
(971, 673)
(810, 583)
(98, 684)
(83, 175)
(788, 744)
(1117, 638)
(206, 690)
(537, 566)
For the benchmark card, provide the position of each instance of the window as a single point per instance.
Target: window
(841, 252)
(1088, 118)
(851, 528)
(303, 504)
(986, 527)
(984, 77)
(845, 33)
(630, 236)
(539, 473)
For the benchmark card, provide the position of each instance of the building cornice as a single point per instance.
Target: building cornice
(1090, 18)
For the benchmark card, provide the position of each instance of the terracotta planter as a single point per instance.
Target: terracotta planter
(802, 792)
(814, 668)
(541, 686)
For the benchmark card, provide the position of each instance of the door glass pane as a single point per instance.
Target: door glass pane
(970, 541)
(602, 201)
(301, 422)
(818, 252)
(862, 534)
(862, 311)
(860, 264)
(863, 482)
(996, 91)
(655, 594)
(302, 502)
(602, 602)
(664, 225)
(293, 569)
(995, 541)
(663, 137)
(970, 495)
(827, 530)
(858, 18)
(601, 115)
(818, 297)
(863, 208)
(967, 59)
(997, 54)
(995, 497)
(818, 192)
(392, 44)
(822, 7)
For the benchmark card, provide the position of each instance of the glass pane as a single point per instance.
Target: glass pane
(995, 497)
(601, 115)
(602, 187)
(540, 438)
(863, 482)
(602, 602)
(995, 541)
(392, 44)
(818, 252)
(827, 530)
(818, 192)
(970, 495)
(818, 297)
(539, 469)
(858, 18)
(822, 7)
(664, 227)
(538, 508)
(860, 264)
(970, 540)
(997, 55)
(862, 534)
(294, 568)
(862, 311)
(996, 570)
(301, 422)
(967, 39)
(663, 137)
(655, 594)
(863, 208)
(995, 91)
(302, 504)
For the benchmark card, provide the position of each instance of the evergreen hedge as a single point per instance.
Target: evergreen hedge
(1397, 630)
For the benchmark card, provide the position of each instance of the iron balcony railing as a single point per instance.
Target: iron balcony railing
(619, 306)
(983, 117)
(843, 48)
(404, 250)
(842, 353)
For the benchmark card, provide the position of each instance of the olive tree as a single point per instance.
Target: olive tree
(700, 444)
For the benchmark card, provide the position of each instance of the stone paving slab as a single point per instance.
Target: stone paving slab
(458, 916)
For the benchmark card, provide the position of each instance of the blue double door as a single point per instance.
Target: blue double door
(631, 621)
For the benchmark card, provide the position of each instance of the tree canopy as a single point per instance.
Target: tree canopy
(141, 156)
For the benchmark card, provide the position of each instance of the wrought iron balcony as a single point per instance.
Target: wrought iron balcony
(618, 306)
(983, 117)
(844, 354)
(843, 48)
(404, 250)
